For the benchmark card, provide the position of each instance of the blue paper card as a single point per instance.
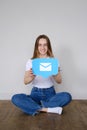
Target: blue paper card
(45, 67)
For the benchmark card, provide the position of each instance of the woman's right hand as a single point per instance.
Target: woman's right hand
(29, 76)
(31, 73)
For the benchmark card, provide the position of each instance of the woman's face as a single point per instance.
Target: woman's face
(42, 47)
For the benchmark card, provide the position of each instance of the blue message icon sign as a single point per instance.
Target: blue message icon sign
(45, 67)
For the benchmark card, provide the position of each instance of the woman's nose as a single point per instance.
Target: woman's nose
(42, 46)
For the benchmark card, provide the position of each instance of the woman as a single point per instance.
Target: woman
(43, 97)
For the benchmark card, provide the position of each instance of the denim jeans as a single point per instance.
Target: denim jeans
(40, 98)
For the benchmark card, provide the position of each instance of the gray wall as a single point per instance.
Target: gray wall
(64, 21)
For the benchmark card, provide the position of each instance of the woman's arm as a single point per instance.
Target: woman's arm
(58, 77)
(28, 77)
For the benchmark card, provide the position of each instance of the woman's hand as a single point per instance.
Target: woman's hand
(58, 77)
(31, 73)
(29, 76)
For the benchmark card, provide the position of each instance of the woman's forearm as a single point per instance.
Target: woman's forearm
(28, 77)
(58, 78)
(27, 80)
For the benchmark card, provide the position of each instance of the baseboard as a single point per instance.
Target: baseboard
(8, 96)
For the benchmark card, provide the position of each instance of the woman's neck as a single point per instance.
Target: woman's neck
(43, 56)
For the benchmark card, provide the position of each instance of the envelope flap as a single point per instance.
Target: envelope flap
(45, 64)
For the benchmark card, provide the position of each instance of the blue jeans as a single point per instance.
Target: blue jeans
(40, 98)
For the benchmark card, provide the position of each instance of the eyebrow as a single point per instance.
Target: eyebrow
(41, 43)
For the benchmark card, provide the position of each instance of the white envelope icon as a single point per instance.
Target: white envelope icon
(45, 66)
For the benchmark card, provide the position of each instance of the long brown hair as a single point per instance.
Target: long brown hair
(49, 51)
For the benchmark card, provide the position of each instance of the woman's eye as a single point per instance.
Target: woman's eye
(45, 45)
(42, 45)
(39, 45)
